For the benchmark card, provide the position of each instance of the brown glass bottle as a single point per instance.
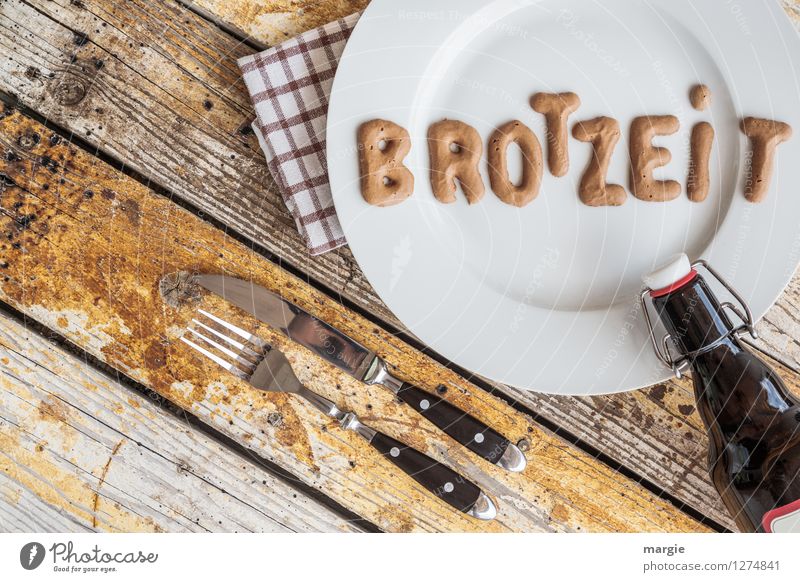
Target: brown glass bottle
(753, 421)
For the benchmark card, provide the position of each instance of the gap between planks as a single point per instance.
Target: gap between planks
(192, 158)
(165, 406)
(80, 452)
(88, 215)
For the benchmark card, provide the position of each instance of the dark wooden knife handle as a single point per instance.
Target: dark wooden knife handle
(464, 428)
(439, 479)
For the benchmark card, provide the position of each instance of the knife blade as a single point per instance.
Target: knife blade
(364, 365)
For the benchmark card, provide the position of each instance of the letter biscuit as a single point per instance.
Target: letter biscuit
(455, 153)
(645, 157)
(382, 147)
(603, 133)
(532, 165)
(765, 136)
(556, 107)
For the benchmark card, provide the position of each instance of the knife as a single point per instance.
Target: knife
(364, 365)
(268, 369)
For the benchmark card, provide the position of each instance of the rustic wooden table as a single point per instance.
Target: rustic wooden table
(126, 154)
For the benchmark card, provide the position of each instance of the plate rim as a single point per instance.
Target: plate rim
(373, 11)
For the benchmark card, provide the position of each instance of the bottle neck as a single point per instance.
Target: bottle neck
(693, 316)
(731, 383)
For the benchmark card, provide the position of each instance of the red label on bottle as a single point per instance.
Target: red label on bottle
(784, 519)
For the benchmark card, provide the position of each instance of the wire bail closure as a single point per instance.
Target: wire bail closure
(681, 363)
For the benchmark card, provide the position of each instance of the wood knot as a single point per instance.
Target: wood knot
(69, 91)
(71, 85)
(246, 127)
(80, 38)
(178, 289)
(28, 140)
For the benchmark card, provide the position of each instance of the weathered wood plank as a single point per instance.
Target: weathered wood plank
(165, 102)
(80, 452)
(667, 412)
(267, 21)
(779, 330)
(653, 431)
(671, 454)
(270, 22)
(23, 511)
(147, 107)
(84, 250)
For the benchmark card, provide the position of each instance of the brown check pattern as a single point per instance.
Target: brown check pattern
(290, 86)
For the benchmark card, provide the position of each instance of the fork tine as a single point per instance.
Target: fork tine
(216, 359)
(230, 353)
(240, 347)
(237, 330)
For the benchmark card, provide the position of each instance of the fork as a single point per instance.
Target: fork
(253, 360)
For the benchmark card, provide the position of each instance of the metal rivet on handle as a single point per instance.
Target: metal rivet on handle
(479, 438)
(424, 405)
(448, 487)
(395, 452)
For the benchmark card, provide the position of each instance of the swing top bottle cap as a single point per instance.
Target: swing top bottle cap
(673, 273)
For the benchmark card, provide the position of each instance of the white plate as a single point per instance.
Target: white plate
(544, 297)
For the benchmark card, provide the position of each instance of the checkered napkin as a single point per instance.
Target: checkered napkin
(290, 85)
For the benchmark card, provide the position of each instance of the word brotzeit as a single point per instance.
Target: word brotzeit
(456, 150)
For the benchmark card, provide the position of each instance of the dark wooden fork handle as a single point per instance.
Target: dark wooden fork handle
(435, 477)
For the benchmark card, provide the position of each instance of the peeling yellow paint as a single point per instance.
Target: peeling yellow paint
(12, 494)
(97, 335)
(274, 21)
(78, 251)
(53, 409)
(60, 489)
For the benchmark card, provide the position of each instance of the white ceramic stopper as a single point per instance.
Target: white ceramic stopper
(674, 269)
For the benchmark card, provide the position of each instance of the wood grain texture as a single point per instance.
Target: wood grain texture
(83, 252)
(80, 452)
(168, 102)
(779, 330)
(651, 430)
(647, 431)
(270, 22)
(148, 105)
